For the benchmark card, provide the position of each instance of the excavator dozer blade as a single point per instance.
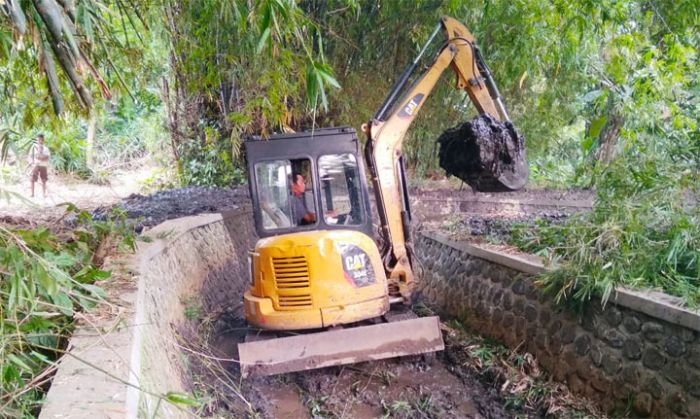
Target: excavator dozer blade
(339, 347)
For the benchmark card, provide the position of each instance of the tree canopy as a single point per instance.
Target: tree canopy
(605, 92)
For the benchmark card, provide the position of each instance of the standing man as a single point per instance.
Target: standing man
(39, 160)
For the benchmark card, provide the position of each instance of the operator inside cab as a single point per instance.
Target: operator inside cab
(287, 194)
(302, 215)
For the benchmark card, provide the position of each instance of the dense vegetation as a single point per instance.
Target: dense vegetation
(44, 279)
(606, 93)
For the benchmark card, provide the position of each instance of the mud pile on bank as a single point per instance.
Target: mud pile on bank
(503, 229)
(164, 205)
(486, 154)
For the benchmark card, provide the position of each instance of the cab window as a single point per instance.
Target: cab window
(340, 189)
(285, 193)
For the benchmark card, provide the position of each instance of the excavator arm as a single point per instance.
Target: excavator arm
(386, 132)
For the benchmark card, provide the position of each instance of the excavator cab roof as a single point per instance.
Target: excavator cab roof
(310, 180)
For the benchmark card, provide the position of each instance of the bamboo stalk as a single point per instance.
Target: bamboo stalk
(53, 18)
(65, 59)
(122, 7)
(138, 14)
(49, 66)
(116, 71)
(16, 15)
(106, 93)
(123, 23)
(69, 68)
(69, 8)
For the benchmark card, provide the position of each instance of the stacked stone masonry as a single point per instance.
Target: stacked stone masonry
(622, 358)
(202, 259)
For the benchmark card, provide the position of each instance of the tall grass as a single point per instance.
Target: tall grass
(644, 238)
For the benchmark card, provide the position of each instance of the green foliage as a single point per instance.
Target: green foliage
(239, 68)
(65, 62)
(648, 239)
(126, 132)
(129, 130)
(68, 151)
(209, 163)
(44, 280)
(641, 153)
(397, 407)
(181, 399)
(85, 39)
(193, 309)
(159, 179)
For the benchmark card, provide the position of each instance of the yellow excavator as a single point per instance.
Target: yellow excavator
(322, 290)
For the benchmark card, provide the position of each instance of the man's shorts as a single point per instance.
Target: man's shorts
(40, 172)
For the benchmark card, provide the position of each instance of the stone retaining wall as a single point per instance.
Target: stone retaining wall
(170, 276)
(640, 352)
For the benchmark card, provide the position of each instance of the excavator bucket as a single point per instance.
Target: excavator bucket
(486, 154)
(339, 347)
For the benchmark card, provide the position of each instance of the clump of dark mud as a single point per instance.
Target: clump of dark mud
(150, 210)
(486, 154)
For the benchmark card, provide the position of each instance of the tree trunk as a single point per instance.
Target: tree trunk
(14, 10)
(172, 122)
(607, 139)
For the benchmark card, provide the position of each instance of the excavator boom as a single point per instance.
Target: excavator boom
(387, 130)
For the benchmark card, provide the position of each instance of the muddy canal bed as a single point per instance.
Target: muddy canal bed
(408, 387)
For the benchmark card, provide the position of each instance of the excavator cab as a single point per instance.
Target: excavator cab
(308, 181)
(317, 264)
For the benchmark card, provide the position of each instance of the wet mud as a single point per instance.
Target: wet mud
(503, 229)
(486, 154)
(408, 387)
(151, 210)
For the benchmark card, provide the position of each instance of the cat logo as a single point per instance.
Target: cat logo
(357, 266)
(410, 108)
(355, 262)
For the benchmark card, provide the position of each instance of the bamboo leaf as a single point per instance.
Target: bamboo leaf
(181, 399)
(263, 40)
(596, 126)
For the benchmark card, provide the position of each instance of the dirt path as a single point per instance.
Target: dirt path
(65, 188)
